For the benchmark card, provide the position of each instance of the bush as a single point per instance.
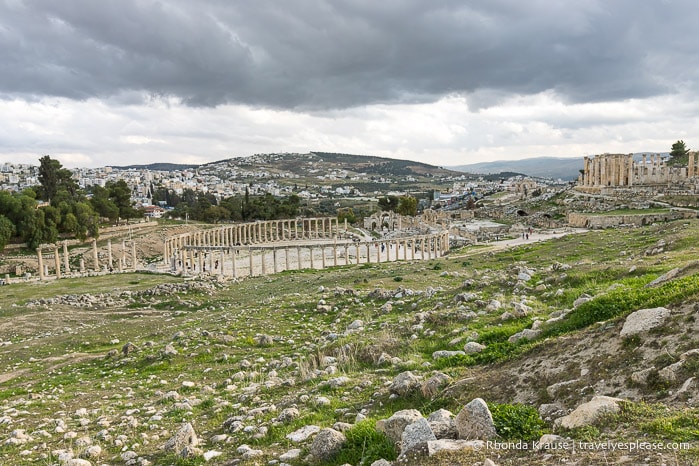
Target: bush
(517, 421)
(365, 445)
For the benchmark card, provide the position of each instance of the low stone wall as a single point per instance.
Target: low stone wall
(596, 221)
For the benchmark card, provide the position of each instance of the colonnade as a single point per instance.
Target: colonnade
(621, 170)
(261, 259)
(63, 267)
(255, 233)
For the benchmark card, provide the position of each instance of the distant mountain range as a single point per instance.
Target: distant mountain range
(313, 163)
(565, 168)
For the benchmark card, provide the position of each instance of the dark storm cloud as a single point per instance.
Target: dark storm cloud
(317, 54)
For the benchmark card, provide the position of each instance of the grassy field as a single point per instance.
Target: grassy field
(246, 350)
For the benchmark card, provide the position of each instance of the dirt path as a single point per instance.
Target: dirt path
(535, 237)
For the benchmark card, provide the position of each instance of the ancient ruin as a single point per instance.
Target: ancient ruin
(622, 171)
(265, 247)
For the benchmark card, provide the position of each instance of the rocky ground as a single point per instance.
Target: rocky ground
(579, 350)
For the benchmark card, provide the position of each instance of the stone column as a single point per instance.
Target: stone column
(286, 257)
(109, 253)
(234, 254)
(298, 258)
(322, 256)
(347, 261)
(251, 264)
(94, 255)
(405, 250)
(263, 253)
(133, 255)
(82, 265)
(368, 253)
(310, 249)
(66, 261)
(41, 263)
(57, 260)
(335, 253)
(274, 259)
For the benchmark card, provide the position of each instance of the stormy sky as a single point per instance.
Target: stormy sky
(115, 82)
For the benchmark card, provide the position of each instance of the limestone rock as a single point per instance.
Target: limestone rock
(440, 354)
(587, 413)
(473, 347)
(382, 462)
(432, 386)
(526, 334)
(288, 414)
(303, 433)
(475, 421)
(327, 444)
(582, 300)
(442, 424)
(404, 383)
(644, 320)
(394, 426)
(415, 435)
(435, 446)
(183, 438)
(291, 455)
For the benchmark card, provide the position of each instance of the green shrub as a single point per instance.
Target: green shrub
(365, 445)
(517, 421)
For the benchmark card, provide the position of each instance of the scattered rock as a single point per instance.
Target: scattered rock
(473, 347)
(393, 426)
(434, 384)
(475, 421)
(442, 424)
(327, 444)
(644, 320)
(440, 354)
(416, 435)
(404, 383)
(587, 413)
(435, 446)
(303, 433)
(184, 442)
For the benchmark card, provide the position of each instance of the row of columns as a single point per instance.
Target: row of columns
(43, 269)
(255, 233)
(241, 261)
(621, 170)
(608, 170)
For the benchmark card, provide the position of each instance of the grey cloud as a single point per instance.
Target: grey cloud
(315, 55)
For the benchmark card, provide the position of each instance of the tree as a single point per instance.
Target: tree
(53, 177)
(679, 153)
(120, 195)
(7, 231)
(103, 205)
(347, 214)
(388, 203)
(407, 205)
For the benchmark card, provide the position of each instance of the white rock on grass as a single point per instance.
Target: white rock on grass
(644, 320)
(588, 413)
(404, 383)
(394, 426)
(475, 421)
(327, 444)
(442, 424)
(440, 354)
(291, 455)
(415, 435)
(435, 446)
(303, 433)
(473, 347)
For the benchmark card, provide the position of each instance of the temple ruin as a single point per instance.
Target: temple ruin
(622, 171)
